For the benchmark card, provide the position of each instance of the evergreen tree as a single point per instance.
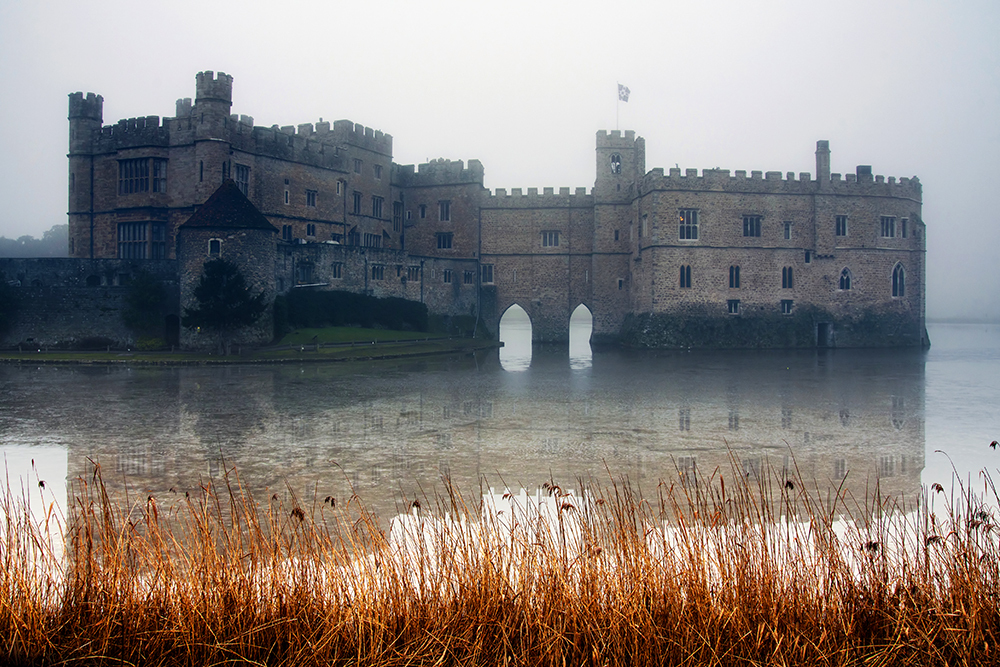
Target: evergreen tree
(225, 303)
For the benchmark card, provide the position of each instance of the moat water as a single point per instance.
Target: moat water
(517, 417)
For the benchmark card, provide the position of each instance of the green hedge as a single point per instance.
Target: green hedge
(315, 308)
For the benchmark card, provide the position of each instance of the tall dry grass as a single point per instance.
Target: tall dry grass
(733, 571)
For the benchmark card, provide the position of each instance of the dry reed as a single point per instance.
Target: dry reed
(727, 572)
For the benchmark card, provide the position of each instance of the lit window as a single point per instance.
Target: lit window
(444, 241)
(734, 277)
(688, 224)
(845, 279)
(841, 225)
(550, 239)
(310, 197)
(786, 306)
(898, 281)
(487, 274)
(734, 306)
(241, 175)
(751, 225)
(888, 226)
(685, 277)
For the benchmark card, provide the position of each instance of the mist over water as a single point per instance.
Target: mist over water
(391, 431)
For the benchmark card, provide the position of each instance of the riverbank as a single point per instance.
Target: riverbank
(383, 346)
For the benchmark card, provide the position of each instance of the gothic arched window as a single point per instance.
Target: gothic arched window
(898, 280)
(845, 279)
(616, 164)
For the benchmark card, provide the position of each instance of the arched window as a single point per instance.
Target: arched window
(787, 281)
(845, 279)
(214, 247)
(898, 280)
(616, 163)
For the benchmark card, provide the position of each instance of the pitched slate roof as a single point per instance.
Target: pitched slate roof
(228, 208)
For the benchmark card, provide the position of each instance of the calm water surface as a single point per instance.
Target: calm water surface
(390, 431)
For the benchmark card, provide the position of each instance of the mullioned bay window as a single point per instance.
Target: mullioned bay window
(134, 175)
(142, 240)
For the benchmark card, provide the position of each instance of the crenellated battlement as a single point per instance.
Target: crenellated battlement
(211, 87)
(90, 107)
(615, 139)
(132, 132)
(438, 172)
(287, 144)
(363, 137)
(548, 198)
(862, 183)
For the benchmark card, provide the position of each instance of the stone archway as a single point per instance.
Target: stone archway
(515, 331)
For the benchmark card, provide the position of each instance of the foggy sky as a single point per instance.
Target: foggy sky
(911, 88)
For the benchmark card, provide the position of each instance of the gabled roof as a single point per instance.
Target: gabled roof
(228, 208)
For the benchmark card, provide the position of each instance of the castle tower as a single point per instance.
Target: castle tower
(213, 94)
(621, 163)
(86, 114)
(212, 104)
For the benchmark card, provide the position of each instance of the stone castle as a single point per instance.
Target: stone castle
(659, 257)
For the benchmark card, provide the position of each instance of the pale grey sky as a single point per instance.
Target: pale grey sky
(912, 88)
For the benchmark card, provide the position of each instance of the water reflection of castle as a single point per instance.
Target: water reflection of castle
(389, 432)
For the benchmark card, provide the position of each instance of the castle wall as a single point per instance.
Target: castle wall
(540, 247)
(66, 303)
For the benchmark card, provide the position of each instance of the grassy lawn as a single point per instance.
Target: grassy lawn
(370, 343)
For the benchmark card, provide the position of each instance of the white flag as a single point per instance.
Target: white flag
(623, 92)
